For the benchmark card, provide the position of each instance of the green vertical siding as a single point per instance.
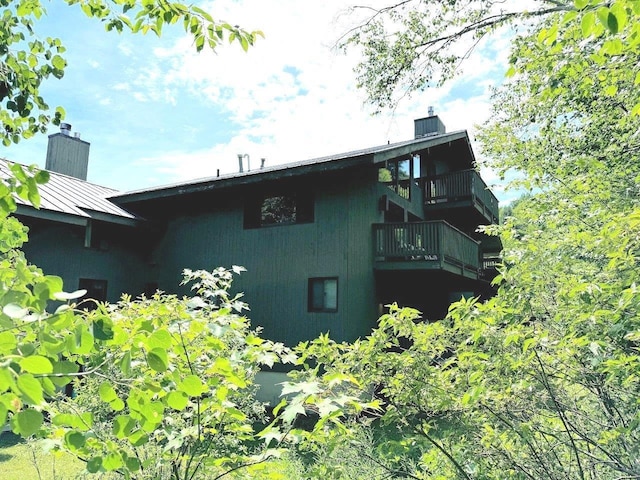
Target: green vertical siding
(58, 249)
(280, 259)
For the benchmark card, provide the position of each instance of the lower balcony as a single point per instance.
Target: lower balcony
(434, 245)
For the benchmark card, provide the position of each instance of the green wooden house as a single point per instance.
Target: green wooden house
(326, 242)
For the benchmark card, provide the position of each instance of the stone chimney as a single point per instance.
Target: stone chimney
(431, 125)
(68, 154)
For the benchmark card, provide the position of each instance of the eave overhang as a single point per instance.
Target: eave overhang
(370, 156)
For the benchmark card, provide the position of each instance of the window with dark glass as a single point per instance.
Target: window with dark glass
(280, 209)
(397, 175)
(323, 294)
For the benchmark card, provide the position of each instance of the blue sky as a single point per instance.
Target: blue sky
(156, 112)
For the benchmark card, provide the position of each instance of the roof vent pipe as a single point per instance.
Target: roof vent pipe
(65, 129)
(242, 156)
(262, 160)
(431, 111)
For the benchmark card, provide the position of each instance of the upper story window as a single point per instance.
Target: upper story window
(279, 209)
(397, 175)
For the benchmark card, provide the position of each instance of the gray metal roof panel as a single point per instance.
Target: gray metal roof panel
(72, 196)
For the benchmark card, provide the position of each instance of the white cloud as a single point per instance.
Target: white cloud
(291, 97)
(122, 86)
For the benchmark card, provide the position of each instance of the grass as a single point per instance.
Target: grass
(26, 460)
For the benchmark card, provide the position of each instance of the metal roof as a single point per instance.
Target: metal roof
(67, 195)
(371, 155)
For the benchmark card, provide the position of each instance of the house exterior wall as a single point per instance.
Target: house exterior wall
(58, 249)
(281, 259)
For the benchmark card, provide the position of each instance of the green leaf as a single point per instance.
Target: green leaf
(125, 364)
(612, 23)
(112, 461)
(36, 364)
(588, 23)
(117, 405)
(47, 289)
(157, 359)
(620, 14)
(27, 422)
(64, 366)
(58, 62)
(106, 392)
(94, 465)
(41, 177)
(6, 379)
(79, 422)
(138, 438)
(103, 328)
(8, 342)
(153, 412)
(177, 400)
(192, 386)
(74, 440)
(580, 4)
(3, 414)
(132, 464)
(160, 338)
(30, 388)
(603, 15)
(123, 425)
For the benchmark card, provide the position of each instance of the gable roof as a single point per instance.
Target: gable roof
(71, 200)
(371, 156)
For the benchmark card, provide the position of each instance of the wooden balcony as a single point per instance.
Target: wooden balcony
(460, 189)
(432, 245)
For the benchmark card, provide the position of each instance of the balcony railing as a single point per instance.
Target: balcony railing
(425, 245)
(458, 187)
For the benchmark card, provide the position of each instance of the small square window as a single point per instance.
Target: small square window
(323, 294)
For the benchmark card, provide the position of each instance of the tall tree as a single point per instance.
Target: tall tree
(414, 44)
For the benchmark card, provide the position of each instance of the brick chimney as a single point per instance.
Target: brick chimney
(68, 154)
(431, 125)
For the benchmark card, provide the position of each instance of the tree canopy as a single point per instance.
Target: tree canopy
(414, 44)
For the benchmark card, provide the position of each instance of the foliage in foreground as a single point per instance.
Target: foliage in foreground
(543, 380)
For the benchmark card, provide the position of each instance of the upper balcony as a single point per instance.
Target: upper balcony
(460, 189)
(434, 245)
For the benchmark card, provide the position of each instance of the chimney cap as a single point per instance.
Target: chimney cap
(431, 111)
(65, 128)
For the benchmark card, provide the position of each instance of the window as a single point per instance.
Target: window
(323, 294)
(397, 175)
(280, 209)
